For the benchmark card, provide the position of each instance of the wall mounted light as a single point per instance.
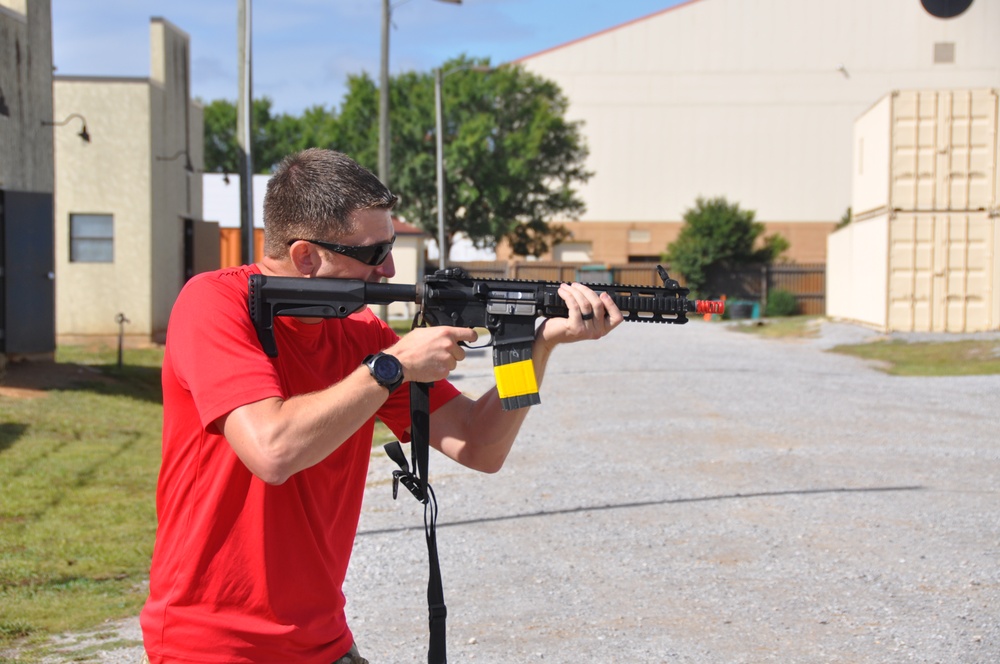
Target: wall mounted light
(187, 160)
(82, 133)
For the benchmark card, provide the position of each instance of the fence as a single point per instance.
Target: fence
(806, 281)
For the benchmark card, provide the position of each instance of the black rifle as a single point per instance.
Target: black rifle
(508, 308)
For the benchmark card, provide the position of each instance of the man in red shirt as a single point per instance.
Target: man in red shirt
(265, 459)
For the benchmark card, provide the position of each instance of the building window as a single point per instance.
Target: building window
(91, 238)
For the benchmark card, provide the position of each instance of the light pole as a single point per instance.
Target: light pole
(383, 91)
(439, 135)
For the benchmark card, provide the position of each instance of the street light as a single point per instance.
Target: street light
(383, 91)
(439, 76)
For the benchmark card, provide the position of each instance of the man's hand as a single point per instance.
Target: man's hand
(429, 354)
(591, 316)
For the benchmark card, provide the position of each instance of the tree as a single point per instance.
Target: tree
(716, 237)
(511, 159)
(273, 137)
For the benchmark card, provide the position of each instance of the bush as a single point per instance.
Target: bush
(781, 303)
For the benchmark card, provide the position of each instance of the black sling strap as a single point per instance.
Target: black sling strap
(415, 480)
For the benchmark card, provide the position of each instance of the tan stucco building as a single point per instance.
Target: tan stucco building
(750, 100)
(128, 202)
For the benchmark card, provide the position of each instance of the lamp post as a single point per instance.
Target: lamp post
(383, 91)
(439, 136)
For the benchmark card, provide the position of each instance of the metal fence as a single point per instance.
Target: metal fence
(806, 281)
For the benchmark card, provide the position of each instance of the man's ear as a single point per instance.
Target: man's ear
(305, 258)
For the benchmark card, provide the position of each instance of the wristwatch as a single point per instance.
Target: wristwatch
(386, 370)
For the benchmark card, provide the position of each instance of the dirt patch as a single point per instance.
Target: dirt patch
(32, 379)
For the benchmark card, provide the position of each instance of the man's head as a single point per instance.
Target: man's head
(315, 195)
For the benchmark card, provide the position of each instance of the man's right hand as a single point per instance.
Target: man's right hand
(430, 354)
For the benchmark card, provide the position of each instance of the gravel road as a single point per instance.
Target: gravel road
(693, 494)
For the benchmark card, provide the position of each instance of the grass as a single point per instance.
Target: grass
(78, 470)
(969, 357)
(948, 358)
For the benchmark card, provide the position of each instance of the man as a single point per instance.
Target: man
(265, 459)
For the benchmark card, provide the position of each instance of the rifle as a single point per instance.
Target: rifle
(507, 308)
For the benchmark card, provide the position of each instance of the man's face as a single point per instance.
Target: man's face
(373, 227)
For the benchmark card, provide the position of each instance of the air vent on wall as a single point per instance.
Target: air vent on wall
(944, 53)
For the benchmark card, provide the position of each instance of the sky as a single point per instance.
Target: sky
(304, 50)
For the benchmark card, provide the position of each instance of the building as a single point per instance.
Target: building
(27, 124)
(750, 100)
(128, 202)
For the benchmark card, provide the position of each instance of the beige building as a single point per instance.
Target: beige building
(750, 100)
(128, 202)
(26, 178)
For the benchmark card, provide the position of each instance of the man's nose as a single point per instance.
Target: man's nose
(388, 268)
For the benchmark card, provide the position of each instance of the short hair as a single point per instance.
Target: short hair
(313, 194)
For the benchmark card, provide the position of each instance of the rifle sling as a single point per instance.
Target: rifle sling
(415, 480)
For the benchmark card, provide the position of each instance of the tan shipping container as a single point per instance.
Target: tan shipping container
(917, 272)
(943, 273)
(927, 150)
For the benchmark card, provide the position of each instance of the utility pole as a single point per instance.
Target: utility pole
(383, 98)
(244, 113)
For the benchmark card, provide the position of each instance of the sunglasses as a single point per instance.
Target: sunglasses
(370, 254)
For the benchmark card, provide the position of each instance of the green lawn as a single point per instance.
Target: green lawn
(962, 357)
(948, 358)
(78, 469)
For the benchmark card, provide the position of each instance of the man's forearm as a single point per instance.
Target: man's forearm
(485, 432)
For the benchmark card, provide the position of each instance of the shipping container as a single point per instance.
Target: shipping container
(927, 150)
(917, 272)
(857, 272)
(943, 272)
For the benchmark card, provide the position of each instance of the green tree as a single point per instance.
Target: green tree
(357, 124)
(273, 136)
(718, 236)
(511, 158)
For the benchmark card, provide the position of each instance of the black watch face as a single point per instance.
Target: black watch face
(386, 369)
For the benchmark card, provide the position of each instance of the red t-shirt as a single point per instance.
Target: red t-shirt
(243, 571)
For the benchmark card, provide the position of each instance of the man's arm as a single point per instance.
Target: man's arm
(479, 434)
(276, 438)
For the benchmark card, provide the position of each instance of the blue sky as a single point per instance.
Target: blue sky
(303, 50)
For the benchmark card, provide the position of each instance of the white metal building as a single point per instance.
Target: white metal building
(753, 100)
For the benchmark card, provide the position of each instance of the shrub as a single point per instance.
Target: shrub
(781, 303)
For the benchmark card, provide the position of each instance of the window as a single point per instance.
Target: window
(91, 238)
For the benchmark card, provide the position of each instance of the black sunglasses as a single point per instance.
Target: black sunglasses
(370, 254)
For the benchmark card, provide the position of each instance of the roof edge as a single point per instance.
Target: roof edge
(604, 31)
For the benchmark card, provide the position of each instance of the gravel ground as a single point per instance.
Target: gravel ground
(691, 494)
